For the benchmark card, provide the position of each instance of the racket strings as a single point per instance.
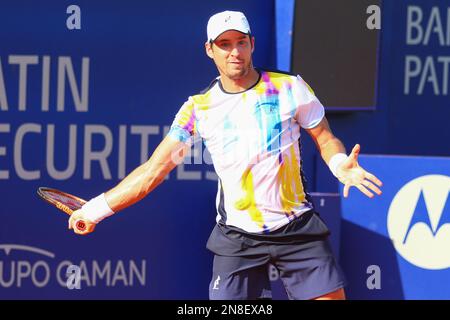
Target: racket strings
(64, 200)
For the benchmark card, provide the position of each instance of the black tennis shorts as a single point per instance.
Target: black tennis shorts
(300, 251)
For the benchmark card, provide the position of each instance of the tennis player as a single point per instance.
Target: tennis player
(250, 121)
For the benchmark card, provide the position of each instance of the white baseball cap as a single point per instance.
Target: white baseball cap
(224, 21)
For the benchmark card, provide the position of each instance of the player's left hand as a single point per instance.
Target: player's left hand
(351, 174)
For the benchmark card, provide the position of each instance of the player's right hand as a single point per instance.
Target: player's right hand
(77, 216)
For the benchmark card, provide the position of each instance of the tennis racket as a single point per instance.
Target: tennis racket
(65, 202)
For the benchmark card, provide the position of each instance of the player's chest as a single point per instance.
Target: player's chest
(242, 114)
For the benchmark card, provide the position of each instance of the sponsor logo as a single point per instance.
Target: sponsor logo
(216, 283)
(419, 222)
(23, 266)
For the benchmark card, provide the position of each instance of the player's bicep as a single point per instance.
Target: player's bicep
(169, 153)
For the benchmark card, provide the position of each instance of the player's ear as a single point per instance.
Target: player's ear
(209, 50)
(253, 43)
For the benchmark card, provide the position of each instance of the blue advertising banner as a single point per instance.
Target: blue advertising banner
(87, 91)
(418, 58)
(396, 246)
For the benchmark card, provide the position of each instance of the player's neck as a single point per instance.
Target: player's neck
(239, 85)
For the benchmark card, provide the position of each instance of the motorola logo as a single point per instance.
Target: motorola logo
(418, 222)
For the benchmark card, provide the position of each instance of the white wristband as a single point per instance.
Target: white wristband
(335, 161)
(97, 209)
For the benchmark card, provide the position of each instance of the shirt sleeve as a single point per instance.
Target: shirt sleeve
(183, 127)
(309, 110)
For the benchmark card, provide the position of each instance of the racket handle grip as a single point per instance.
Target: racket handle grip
(80, 225)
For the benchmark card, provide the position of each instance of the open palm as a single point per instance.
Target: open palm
(350, 173)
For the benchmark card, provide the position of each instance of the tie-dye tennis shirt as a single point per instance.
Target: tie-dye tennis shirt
(253, 138)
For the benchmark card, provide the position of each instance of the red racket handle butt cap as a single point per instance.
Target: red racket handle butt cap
(80, 225)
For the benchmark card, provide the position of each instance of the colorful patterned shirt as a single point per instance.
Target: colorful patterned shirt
(253, 138)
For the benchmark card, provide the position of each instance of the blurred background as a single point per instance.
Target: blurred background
(89, 88)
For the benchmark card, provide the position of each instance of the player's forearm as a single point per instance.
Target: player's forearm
(331, 147)
(148, 176)
(138, 184)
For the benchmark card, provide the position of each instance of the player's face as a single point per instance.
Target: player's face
(232, 54)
